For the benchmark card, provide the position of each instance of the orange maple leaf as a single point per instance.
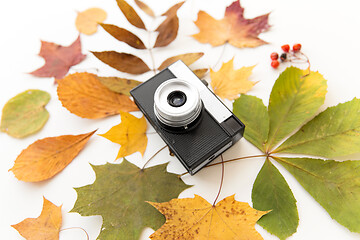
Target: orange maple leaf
(233, 28)
(58, 59)
(195, 218)
(46, 226)
(130, 134)
(229, 83)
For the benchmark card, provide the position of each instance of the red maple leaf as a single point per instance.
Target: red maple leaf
(58, 59)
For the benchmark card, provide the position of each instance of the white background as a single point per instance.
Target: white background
(328, 31)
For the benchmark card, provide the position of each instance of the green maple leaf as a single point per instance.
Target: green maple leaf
(119, 194)
(295, 98)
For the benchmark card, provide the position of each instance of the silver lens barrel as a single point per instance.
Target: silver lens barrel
(177, 103)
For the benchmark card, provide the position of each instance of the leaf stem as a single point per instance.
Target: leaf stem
(218, 60)
(153, 156)
(222, 179)
(70, 228)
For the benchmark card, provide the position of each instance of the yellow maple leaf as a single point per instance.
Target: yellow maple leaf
(46, 226)
(195, 218)
(130, 134)
(229, 83)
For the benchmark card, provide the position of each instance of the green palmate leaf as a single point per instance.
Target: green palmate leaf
(254, 115)
(294, 98)
(119, 85)
(334, 132)
(271, 192)
(119, 194)
(25, 113)
(335, 185)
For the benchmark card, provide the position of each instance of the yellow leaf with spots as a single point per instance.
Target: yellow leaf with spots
(45, 227)
(195, 218)
(229, 83)
(130, 134)
(88, 20)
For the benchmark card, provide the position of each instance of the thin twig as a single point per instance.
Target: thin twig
(153, 156)
(222, 179)
(70, 228)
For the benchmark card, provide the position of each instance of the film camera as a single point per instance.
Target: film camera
(191, 120)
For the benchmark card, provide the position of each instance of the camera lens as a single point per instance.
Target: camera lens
(177, 103)
(176, 98)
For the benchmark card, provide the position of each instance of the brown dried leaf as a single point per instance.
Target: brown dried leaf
(233, 28)
(187, 58)
(201, 72)
(123, 62)
(168, 29)
(145, 8)
(130, 14)
(58, 59)
(45, 227)
(86, 22)
(124, 35)
(119, 85)
(84, 95)
(47, 157)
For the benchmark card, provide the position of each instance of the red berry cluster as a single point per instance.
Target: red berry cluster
(286, 48)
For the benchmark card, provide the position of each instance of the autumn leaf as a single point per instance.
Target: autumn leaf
(294, 99)
(168, 29)
(145, 8)
(271, 191)
(130, 134)
(119, 85)
(130, 14)
(119, 194)
(58, 59)
(84, 95)
(45, 227)
(233, 28)
(201, 72)
(124, 35)
(25, 113)
(47, 157)
(87, 21)
(187, 58)
(229, 83)
(195, 218)
(124, 62)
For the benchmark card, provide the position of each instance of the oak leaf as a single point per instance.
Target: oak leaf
(25, 113)
(187, 58)
(124, 35)
(130, 14)
(145, 8)
(233, 28)
(124, 62)
(119, 85)
(84, 95)
(119, 194)
(168, 29)
(47, 157)
(130, 134)
(229, 83)
(58, 59)
(45, 227)
(87, 21)
(195, 218)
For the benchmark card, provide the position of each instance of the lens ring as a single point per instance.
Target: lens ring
(171, 108)
(176, 98)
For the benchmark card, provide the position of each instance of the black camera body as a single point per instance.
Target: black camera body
(189, 117)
